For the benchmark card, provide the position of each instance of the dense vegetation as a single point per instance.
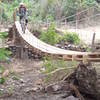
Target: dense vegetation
(43, 10)
(4, 54)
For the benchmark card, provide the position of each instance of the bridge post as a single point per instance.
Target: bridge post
(93, 43)
(73, 57)
(14, 15)
(84, 58)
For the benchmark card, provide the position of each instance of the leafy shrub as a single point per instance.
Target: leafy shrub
(4, 53)
(71, 38)
(2, 80)
(3, 35)
(50, 36)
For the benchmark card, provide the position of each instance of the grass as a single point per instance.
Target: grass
(56, 70)
(2, 69)
(1, 93)
(10, 90)
(2, 79)
(15, 76)
(3, 35)
(51, 65)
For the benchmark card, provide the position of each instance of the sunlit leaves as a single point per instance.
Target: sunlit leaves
(3, 35)
(4, 54)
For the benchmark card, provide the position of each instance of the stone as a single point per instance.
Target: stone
(71, 98)
(56, 88)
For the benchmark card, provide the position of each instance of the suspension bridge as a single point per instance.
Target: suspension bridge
(42, 48)
(28, 40)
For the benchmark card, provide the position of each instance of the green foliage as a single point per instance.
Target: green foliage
(72, 6)
(1, 93)
(71, 37)
(15, 76)
(4, 54)
(2, 69)
(88, 49)
(2, 80)
(47, 8)
(50, 18)
(48, 65)
(51, 65)
(4, 15)
(50, 36)
(3, 35)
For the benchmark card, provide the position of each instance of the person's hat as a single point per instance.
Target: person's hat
(21, 3)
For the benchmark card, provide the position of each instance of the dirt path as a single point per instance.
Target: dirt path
(23, 81)
(25, 77)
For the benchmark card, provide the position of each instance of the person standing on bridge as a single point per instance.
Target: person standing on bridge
(22, 12)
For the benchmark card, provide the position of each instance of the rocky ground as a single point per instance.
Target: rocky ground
(24, 76)
(69, 46)
(25, 80)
